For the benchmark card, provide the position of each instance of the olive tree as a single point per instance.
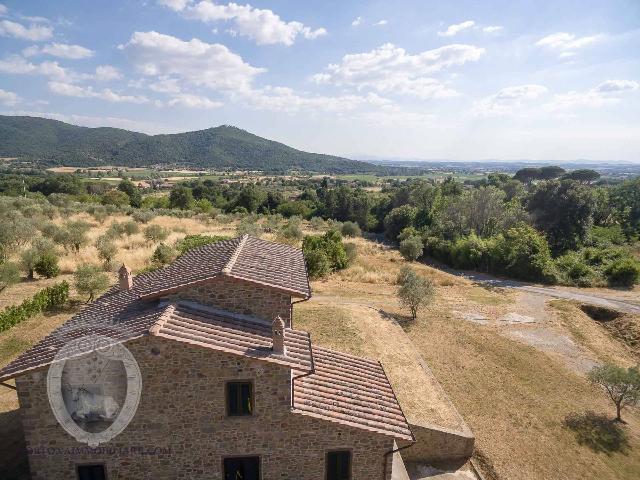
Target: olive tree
(414, 291)
(622, 385)
(89, 280)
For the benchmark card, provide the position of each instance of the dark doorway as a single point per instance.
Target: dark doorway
(91, 472)
(242, 468)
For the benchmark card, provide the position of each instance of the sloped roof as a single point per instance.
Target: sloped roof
(231, 333)
(352, 391)
(245, 258)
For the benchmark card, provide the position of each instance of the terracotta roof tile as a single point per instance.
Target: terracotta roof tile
(350, 390)
(245, 258)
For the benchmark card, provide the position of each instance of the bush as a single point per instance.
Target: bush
(47, 265)
(351, 229)
(89, 280)
(411, 248)
(39, 247)
(9, 274)
(47, 299)
(352, 252)
(318, 223)
(194, 241)
(155, 233)
(575, 271)
(624, 272)
(143, 216)
(291, 231)
(471, 253)
(130, 228)
(163, 254)
(249, 226)
(324, 254)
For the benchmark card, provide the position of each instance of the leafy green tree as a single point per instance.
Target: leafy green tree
(32, 256)
(116, 198)
(411, 248)
(351, 229)
(181, 197)
(9, 274)
(47, 265)
(415, 291)
(318, 247)
(133, 192)
(625, 200)
(622, 385)
(155, 233)
(551, 172)
(163, 254)
(251, 197)
(564, 211)
(398, 219)
(521, 252)
(583, 175)
(73, 235)
(527, 175)
(89, 280)
(194, 241)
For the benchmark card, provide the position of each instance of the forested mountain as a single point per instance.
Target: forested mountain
(53, 142)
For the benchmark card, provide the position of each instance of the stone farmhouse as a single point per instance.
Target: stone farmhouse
(229, 388)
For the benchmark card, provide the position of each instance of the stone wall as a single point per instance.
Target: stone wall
(239, 297)
(180, 430)
(436, 444)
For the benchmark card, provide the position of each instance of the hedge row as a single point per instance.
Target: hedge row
(46, 299)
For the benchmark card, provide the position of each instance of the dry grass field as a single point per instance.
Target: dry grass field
(521, 387)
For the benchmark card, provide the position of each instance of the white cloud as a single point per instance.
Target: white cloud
(8, 98)
(390, 69)
(35, 33)
(567, 43)
(106, 73)
(3, 9)
(492, 29)
(193, 101)
(457, 28)
(380, 23)
(17, 65)
(602, 95)
(71, 90)
(62, 50)
(196, 62)
(358, 21)
(507, 100)
(165, 85)
(262, 25)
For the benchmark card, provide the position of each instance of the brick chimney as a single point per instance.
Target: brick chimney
(277, 331)
(125, 278)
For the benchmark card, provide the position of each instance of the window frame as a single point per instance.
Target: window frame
(259, 457)
(252, 397)
(338, 450)
(92, 464)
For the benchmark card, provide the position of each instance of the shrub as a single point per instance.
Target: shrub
(471, 253)
(47, 299)
(194, 241)
(415, 292)
(89, 280)
(32, 256)
(291, 230)
(624, 272)
(575, 271)
(47, 265)
(248, 226)
(324, 254)
(411, 248)
(163, 254)
(9, 274)
(351, 229)
(130, 228)
(318, 223)
(155, 233)
(143, 216)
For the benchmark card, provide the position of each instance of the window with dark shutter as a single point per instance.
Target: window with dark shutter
(242, 468)
(91, 472)
(239, 399)
(339, 465)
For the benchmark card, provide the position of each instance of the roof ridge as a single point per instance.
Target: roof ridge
(234, 257)
(162, 319)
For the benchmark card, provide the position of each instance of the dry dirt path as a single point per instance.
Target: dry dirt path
(609, 299)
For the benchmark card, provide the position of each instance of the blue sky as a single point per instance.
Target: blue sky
(459, 80)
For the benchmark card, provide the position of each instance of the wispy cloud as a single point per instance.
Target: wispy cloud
(567, 43)
(8, 98)
(33, 32)
(507, 100)
(61, 50)
(453, 30)
(380, 23)
(604, 94)
(358, 21)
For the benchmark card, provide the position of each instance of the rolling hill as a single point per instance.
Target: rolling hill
(51, 142)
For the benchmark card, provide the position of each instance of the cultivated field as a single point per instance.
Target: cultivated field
(512, 363)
